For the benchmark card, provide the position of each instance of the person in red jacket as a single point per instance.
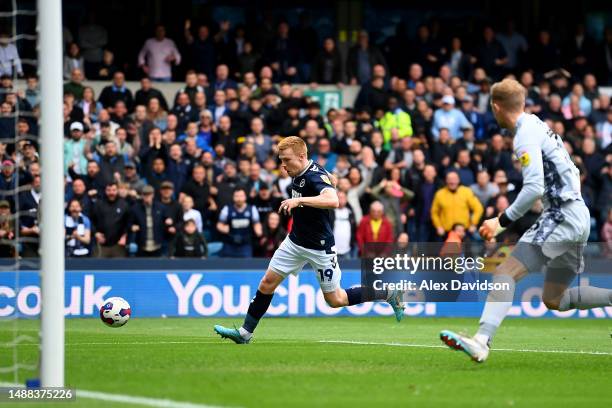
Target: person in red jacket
(374, 228)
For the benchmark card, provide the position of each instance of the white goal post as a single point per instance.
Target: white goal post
(52, 193)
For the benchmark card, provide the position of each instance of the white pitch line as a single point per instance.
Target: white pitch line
(370, 343)
(129, 399)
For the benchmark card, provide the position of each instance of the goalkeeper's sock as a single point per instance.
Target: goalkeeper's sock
(496, 308)
(585, 297)
(258, 307)
(362, 294)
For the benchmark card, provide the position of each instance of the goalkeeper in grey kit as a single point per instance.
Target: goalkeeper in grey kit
(558, 237)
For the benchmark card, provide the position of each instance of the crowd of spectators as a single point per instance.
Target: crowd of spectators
(419, 154)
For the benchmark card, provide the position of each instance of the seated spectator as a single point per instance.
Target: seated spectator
(374, 228)
(147, 223)
(110, 219)
(78, 230)
(239, 225)
(272, 236)
(73, 60)
(106, 70)
(188, 243)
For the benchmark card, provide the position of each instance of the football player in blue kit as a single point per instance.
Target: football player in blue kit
(313, 196)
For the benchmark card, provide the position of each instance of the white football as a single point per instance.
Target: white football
(115, 312)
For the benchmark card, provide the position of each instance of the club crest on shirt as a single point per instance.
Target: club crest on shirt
(524, 159)
(325, 179)
(302, 182)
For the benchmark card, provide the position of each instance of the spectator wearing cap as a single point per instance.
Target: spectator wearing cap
(7, 230)
(475, 118)
(147, 224)
(110, 219)
(157, 56)
(78, 230)
(395, 124)
(455, 204)
(173, 215)
(76, 148)
(117, 91)
(450, 118)
(147, 92)
(132, 178)
(188, 243)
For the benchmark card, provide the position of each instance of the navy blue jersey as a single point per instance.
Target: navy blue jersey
(312, 227)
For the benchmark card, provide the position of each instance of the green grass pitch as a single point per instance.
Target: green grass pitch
(290, 363)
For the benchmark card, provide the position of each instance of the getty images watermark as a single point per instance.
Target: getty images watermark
(435, 272)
